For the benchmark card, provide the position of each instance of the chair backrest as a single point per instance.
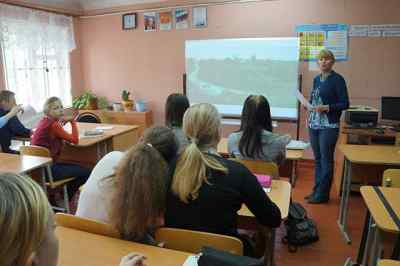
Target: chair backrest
(86, 225)
(193, 241)
(34, 150)
(261, 167)
(394, 175)
(88, 117)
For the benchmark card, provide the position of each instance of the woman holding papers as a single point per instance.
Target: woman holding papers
(329, 98)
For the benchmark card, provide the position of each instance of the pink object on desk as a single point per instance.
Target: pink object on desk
(264, 180)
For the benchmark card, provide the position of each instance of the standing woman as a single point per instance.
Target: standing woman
(329, 98)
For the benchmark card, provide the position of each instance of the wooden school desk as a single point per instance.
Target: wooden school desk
(292, 157)
(280, 195)
(385, 217)
(365, 136)
(82, 248)
(22, 164)
(379, 155)
(91, 149)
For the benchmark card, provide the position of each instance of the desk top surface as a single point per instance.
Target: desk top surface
(388, 263)
(82, 248)
(290, 154)
(108, 133)
(372, 154)
(20, 164)
(378, 210)
(279, 194)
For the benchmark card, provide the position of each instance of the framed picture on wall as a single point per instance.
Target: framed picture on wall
(165, 18)
(129, 21)
(199, 16)
(181, 18)
(150, 21)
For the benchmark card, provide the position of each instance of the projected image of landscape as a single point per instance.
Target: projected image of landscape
(225, 71)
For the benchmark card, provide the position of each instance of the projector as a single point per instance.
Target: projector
(361, 116)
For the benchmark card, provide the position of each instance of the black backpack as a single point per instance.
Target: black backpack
(300, 230)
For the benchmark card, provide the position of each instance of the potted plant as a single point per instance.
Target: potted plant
(86, 101)
(127, 103)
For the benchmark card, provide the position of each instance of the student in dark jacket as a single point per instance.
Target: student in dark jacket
(329, 97)
(208, 190)
(13, 127)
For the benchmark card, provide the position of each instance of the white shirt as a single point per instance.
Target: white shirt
(95, 199)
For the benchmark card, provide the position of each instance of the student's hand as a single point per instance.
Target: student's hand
(70, 115)
(322, 108)
(133, 259)
(16, 109)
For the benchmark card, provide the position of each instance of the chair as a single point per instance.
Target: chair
(88, 117)
(86, 225)
(193, 241)
(261, 167)
(394, 175)
(44, 152)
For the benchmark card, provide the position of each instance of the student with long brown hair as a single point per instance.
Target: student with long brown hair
(255, 139)
(141, 185)
(208, 190)
(95, 201)
(27, 225)
(175, 108)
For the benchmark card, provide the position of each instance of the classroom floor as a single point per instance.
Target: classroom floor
(331, 249)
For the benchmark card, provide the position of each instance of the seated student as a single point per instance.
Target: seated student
(13, 112)
(95, 200)
(208, 190)
(51, 135)
(13, 127)
(255, 139)
(141, 184)
(175, 107)
(27, 225)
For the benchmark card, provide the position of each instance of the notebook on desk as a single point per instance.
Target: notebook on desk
(297, 145)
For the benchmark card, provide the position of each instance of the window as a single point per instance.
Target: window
(35, 51)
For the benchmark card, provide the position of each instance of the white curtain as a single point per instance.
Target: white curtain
(36, 47)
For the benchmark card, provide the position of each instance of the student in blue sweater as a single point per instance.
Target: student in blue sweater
(329, 97)
(13, 127)
(13, 112)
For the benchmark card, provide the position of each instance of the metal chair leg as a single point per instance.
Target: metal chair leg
(66, 199)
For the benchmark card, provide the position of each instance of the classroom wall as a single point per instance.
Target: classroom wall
(151, 64)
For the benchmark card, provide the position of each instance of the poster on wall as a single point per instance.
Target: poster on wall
(314, 37)
(165, 20)
(181, 18)
(149, 21)
(199, 17)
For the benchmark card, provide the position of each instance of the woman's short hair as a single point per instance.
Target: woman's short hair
(6, 95)
(24, 216)
(256, 117)
(201, 124)
(163, 140)
(325, 53)
(175, 107)
(141, 180)
(48, 103)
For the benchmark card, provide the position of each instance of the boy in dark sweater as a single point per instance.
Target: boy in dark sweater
(13, 127)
